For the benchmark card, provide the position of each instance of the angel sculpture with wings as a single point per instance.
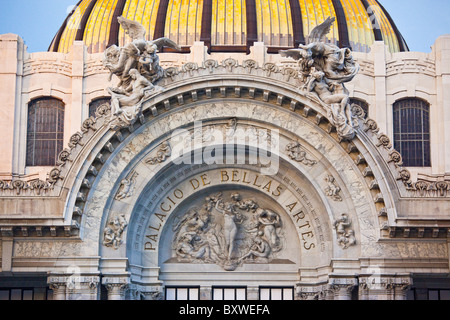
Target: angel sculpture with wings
(325, 68)
(140, 54)
(137, 67)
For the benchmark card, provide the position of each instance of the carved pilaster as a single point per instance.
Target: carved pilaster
(341, 287)
(74, 287)
(383, 287)
(116, 286)
(58, 287)
(312, 292)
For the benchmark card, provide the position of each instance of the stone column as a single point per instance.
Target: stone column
(441, 50)
(82, 287)
(379, 52)
(116, 286)
(74, 287)
(341, 287)
(75, 117)
(11, 73)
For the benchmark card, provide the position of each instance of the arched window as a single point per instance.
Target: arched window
(412, 132)
(45, 131)
(97, 103)
(364, 105)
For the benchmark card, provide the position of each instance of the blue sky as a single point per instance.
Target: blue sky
(37, 21)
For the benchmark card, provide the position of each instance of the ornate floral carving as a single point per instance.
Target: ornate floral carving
(210, 64)
(75, 140)
(249, 65)
(271, 68)
(229, 64)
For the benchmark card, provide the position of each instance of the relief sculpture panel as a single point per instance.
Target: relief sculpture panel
(228, 231)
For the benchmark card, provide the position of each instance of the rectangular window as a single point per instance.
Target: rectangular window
(182, 293)
(45, 131)
(229, 293)
(25, 294)
(276, 293)
(412, 132)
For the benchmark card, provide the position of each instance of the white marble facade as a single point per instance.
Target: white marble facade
(336, 219)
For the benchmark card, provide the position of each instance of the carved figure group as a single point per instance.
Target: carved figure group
(112, 236)
(138, 69)
(325, 68)
(345, 236)
(228, 233)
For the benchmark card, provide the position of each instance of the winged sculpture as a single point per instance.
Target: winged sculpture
(324, 68)
(137, 66)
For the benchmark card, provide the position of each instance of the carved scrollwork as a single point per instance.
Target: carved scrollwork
(371, 125)
(385, 141)
(210, 64)
(63, 157)
(189, 67)
(396, 157)
(88, 124)
(249, 65)
(271, 68)
(75, 140)
(103, 110)
(290, 73)
(171, 72)
(229, 64)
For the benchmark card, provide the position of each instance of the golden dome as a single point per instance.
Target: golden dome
(230, 25)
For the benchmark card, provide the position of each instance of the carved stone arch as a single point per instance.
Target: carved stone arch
(105, 157)
(126, 168)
